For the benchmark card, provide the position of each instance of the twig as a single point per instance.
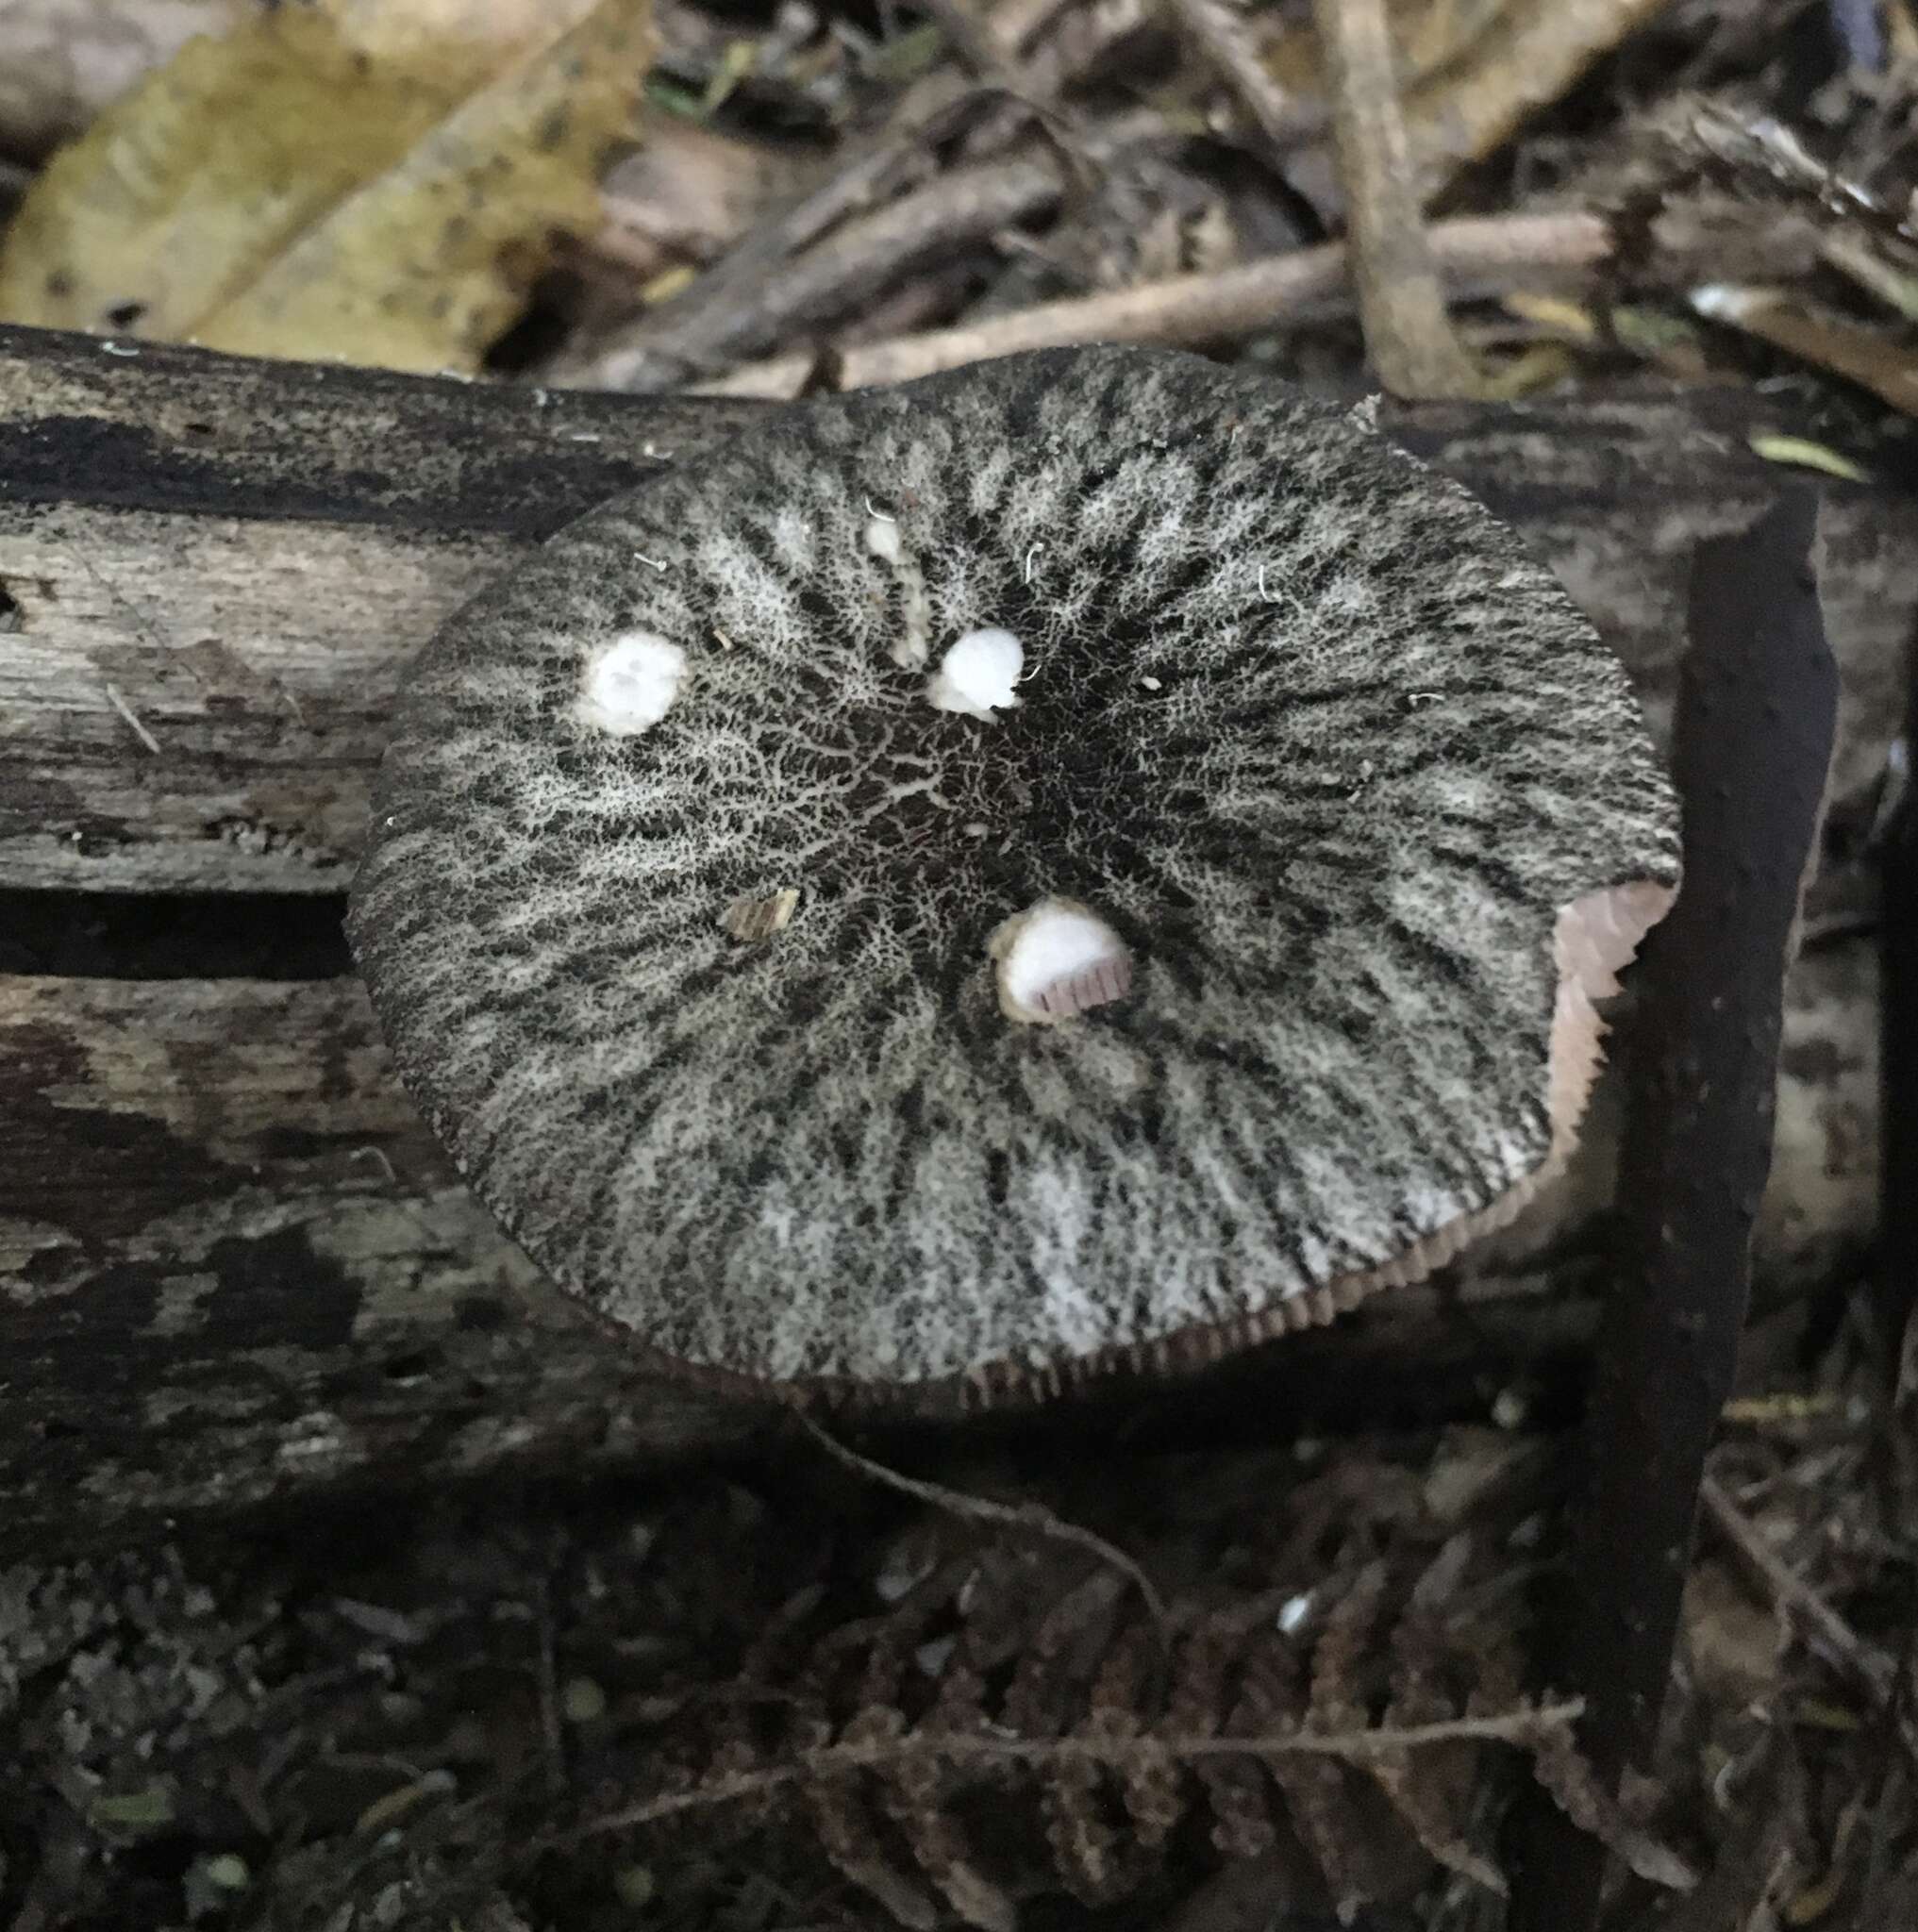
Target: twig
(1520, 1727)
(1868, 1667)
(1195, 309)
(667, 347)
(133, 723)
(929, 224)
(1401, 305)
(1752, 749)
(1859, 355)
(712, 320)
(863, 255)
(1895, 1300)
(1033, 1517)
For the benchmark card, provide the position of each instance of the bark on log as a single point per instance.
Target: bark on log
(232, 1265)
(245, 554)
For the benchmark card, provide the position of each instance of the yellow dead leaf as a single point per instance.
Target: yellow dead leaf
(1806, 455)
(367, 180)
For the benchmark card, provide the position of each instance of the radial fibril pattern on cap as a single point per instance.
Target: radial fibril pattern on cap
(1299, 724)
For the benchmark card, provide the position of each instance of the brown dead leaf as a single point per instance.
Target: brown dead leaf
(1736, 1646)
(373, 182)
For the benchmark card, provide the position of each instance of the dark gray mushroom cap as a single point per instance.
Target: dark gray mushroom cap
(1090, 858)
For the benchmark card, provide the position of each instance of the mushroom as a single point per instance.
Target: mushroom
(1243, 966)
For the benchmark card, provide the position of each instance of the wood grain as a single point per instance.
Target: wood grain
(247, 555)
(234, 1267)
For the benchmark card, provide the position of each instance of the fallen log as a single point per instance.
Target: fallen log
(216, 571)
(233, 1266)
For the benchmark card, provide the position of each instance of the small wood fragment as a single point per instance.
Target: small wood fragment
(758, 916)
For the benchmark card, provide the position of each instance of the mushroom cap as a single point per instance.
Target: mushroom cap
(1372, 810)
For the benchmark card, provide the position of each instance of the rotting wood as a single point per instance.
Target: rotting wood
(245, 554)
(264, 546)
(234, 1266)
(250, 553)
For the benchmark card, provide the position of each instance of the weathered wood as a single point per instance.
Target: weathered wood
(243, 556)
(234, 1265)
(246, 555)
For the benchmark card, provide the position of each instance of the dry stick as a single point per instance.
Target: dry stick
(1193, 308)
(1860, 355)
(1401, 305)
(689, 334)
(1033, 1517)
(1895, 1300)
(667, 347)
(962, 205)
(1752, 743)
(1525, 1726)
(954, 208)
(1871, 1668)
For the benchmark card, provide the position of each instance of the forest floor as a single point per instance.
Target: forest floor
(440, 1713)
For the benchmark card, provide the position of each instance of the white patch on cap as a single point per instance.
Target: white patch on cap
(978, 674)
(630, 682)
(1055, 959)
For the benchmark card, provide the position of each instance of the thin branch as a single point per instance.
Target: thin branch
(1034, 1517)
(666, 347)
(714, 319)
(1523, 1726)
(1401, 303)
(1221, 306)
(1871, 1668)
